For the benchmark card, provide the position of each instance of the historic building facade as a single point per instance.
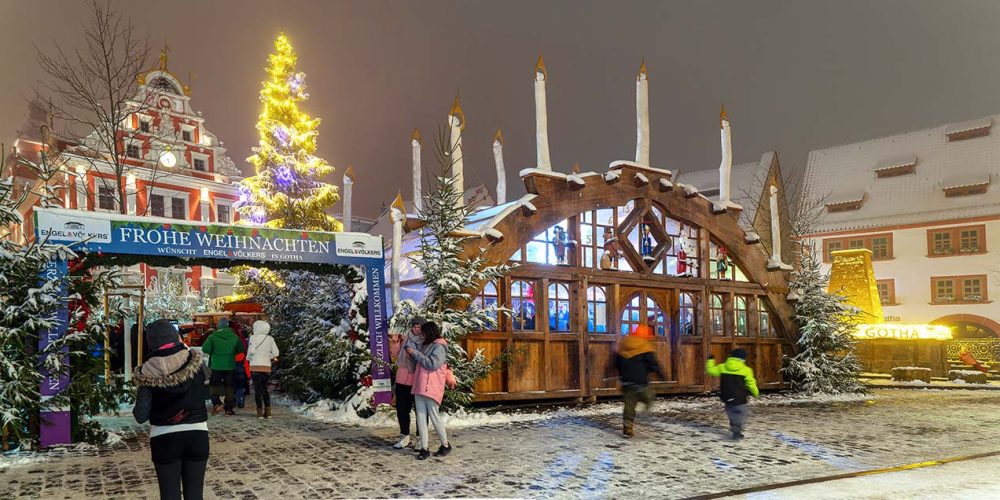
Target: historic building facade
(926, 206)
(174, 169)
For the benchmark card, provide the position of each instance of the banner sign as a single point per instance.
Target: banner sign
(55, 426)
(894, 331)
(116, 234)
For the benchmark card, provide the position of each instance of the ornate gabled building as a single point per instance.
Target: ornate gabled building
(599, 253)
(172, 167)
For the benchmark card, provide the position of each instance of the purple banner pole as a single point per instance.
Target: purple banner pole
(378, 334)
(55, 422)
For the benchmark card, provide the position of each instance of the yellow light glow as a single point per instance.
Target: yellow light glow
(204, 194)
(901, 331)
(130, 181)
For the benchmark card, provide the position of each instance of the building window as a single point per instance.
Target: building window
(487, 300)
(199, 164)
(598, 236)
(597, 310)
(222, 214)
(133, 151)
(716, 312)
(967, 240)
(144, 126)
(681, 255)
(186, 135)
(886, 291)
(959, 289)
(740, 316)
(722, 265)
(105, 198)
(522, 306)
(687, 314)
(558, 307)
(156, 206)
(542, 250)
(178, 209)
(764, 319)
(879, 244)
(832, 246)
(641, 309)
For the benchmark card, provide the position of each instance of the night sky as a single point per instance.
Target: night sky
(794, 75)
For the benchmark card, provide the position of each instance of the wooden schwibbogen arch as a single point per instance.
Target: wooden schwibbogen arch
(577, 364)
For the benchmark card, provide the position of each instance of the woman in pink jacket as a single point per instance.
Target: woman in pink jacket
(431, 376)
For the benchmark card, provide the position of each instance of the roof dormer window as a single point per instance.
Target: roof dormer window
(966, 185)
(845, 202)
(896, 166)
(969, 129)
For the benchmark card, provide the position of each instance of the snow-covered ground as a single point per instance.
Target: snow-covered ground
(974, 480)
(326, 410)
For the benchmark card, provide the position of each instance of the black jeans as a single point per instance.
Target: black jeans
(223, 380)
(260, 394)
(404, 405)
(180, 459)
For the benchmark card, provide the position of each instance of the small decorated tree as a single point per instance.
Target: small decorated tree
(286, 191)
(451, 276)
(826, 363)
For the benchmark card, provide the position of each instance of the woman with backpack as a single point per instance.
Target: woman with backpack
(171, 396)
(428, 386)
(262, 352)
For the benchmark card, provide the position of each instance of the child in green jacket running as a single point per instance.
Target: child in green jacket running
(737, 383)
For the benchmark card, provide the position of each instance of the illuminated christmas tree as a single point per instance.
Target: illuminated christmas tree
(286, 191)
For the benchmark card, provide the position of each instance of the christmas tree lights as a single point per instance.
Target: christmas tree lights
(287, 191)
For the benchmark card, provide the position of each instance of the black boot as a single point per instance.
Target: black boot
(423, 455)
(442, 451)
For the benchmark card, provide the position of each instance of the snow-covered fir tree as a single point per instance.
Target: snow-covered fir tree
(287, 190)
(451, 277)
(28, 306)
(826, 362)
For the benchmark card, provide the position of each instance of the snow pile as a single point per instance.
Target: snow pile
(538, 171)
(612, 175)
(20, 458)
(627, 163)
(792, 399)
(529, 206)
(576, 179)
(494, 234)
(752, 238)
(666, 184)
(641, 178)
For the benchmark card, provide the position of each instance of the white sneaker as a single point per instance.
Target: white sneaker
(402, 443)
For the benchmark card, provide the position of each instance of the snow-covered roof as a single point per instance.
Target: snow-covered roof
(746, 181)
(841, 172)
(845, 197)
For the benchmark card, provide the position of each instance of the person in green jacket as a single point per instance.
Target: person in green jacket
(737, 384)
(222, 346)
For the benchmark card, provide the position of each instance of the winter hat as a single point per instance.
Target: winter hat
(643, 331)
(261, 327)
(160, 334)
(739, 353)
(418, 320)
(223, 322)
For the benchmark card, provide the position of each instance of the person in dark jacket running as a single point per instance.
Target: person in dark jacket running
(636, 359)
(737, 383)
(171, 397)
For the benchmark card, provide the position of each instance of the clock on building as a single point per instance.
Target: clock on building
(168, 159)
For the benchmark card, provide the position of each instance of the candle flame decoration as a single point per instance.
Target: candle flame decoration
(540, 68)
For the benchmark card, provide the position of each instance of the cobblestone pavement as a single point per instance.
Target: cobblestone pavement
(680, 450)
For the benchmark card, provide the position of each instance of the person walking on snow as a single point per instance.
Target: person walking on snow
(406, 370)
(262, 351)
(737, 383)
(428, 386)
(171, 396)
(222, 346)
(635, 360)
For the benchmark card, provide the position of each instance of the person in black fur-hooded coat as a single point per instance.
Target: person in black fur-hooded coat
(171, 396)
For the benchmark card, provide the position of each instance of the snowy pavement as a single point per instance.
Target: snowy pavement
(680, 450)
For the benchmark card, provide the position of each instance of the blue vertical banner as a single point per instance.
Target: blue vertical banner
(378, 334)
(55, 421)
